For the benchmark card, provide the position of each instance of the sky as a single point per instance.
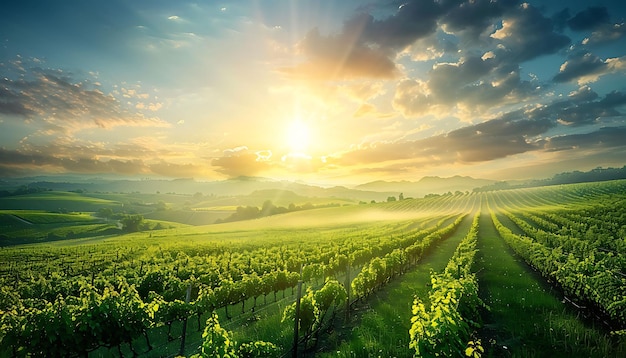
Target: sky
(334, 91)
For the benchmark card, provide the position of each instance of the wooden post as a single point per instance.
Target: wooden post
(297, 321)
(348, 293)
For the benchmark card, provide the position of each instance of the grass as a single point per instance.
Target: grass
(44, 217)
(526, 317)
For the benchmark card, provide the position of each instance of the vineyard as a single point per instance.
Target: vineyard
(522, 272)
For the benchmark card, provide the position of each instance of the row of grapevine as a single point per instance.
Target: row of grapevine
(584, 273)
(219, 281)
(314, 308)
(446, 327)
(380, 270)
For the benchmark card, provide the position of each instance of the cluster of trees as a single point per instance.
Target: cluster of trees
(22, 190)
(268, 209)
(129, 222)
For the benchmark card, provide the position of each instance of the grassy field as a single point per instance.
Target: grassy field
(526, 312)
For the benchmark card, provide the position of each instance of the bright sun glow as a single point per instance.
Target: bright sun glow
(298, 136)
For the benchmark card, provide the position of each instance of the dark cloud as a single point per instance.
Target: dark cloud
(10, 102)
(29, 161)
(366, 47)
(527, 34)
(478, 143)
(560, 19)
(57, 102)
(583, 94)
(516, 132)
(606, 33)
(580, 108)
(589, 18)
(475, 17)
(25, 161)
(579, 65)
(586, 67)
(474, 83)
(414, 20)
(607, 138)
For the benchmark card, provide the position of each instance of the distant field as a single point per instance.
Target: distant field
(57, 201)
(32, 226)
(43, 217)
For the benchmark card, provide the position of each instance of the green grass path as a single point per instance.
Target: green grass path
(527, 317)
(381, 328)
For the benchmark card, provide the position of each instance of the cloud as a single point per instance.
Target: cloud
(57, 103)
(478, 143)
(239, 162)
(606, 137)
(592, 112)
(586, 67)
(589, 18)
(473, 18)
(26, 161)
(337, 58)
(515, 132)
(583, 94)
(235, 151)
(527, 34)
(580, 108)
(66, 155)
(472, 85)
(366, 47)
(366, 109)
(606, 33)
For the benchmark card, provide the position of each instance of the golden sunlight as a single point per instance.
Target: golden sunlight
(298, 136)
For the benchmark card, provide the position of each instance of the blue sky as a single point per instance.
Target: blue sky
(322, 91)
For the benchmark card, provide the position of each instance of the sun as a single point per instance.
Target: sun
(298, 136)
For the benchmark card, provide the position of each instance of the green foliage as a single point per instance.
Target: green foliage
(441, 329)
(332, 293)
(474, 349)
(132, 223)
(217, 342)
(446, 326)
(258, 349)
(309, 313)
(574, 229)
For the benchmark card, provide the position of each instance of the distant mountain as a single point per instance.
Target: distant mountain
(426, 185)
(232, 187)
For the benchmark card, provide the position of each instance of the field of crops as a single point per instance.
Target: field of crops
(525, 272)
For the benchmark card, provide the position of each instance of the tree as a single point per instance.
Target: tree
(401, 197)
(106, 213)
(161, 206)
(268, 208)
(132, 223)
(391, 198)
